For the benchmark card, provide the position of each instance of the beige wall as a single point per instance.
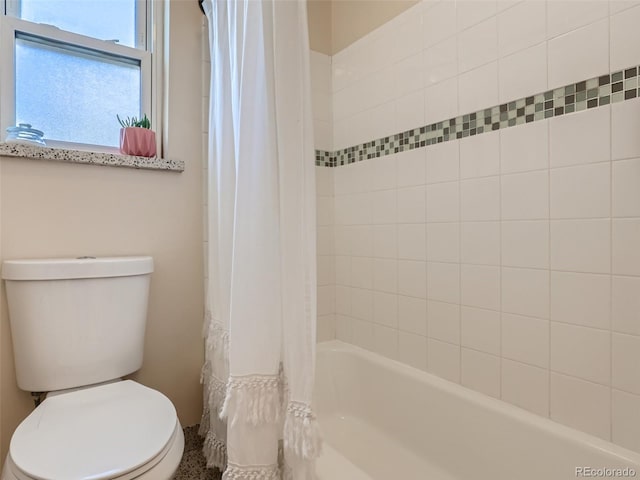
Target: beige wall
(336, 24)
(319, 14)
(54, 209)
(352, 19)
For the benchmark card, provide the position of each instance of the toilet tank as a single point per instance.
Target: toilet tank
(76, 322)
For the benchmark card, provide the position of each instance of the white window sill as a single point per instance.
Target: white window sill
(34, 152)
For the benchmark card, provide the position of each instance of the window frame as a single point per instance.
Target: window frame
(149, 57)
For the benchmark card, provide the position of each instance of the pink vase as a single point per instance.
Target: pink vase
(138, 141)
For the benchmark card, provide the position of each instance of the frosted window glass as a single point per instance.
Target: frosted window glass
(103, 19)
(73, 96)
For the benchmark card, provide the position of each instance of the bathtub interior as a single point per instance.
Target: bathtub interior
(385, 419)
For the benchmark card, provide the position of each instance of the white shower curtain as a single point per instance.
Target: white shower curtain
(261, 293)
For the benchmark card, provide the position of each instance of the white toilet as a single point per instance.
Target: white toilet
(77, 327)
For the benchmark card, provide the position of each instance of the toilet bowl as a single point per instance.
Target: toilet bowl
(121, 430)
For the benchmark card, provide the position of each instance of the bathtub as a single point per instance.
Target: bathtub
(384, 420)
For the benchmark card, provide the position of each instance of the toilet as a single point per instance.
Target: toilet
(78, 327)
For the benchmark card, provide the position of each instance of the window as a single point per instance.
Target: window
(73, 65)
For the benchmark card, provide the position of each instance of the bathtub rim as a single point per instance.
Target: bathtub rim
(512, 412)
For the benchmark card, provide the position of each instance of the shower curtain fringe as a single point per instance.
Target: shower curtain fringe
(253, 399)
(236, 472)
(215, 452)
(301, 432)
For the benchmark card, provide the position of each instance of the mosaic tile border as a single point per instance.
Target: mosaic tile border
(594, 92)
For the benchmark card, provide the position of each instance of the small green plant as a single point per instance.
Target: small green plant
(144, 122)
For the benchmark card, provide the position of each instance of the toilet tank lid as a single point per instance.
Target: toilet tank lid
(76, 268)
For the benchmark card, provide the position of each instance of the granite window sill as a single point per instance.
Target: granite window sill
(34, 152)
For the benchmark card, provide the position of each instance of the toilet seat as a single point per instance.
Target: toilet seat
(113, 431)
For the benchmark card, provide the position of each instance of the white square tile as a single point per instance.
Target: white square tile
(412, 278)
(411, 205)
(412, 350)
(514, 85)
(566, 15)
(480, 243)
(626, 420)
(385, 341)
(412, 241)
(525, 196)
(443, 359)
(412, 315)
(581, 405)
(583, 191)
(626, 188)
(411, 167)
(522, 26)
(384, 206)
(443, 163)
(409, 74)
(440, 62)
(324, 181)
(481, 372)
(480, 199)
(326, 269)
(525, 244)
(383, 172)
(362, 333)
(385, 241)
(361, 238)
(581, 352)
(616, 6)
(324, 239)
(443, 282)
(385, 309)
(625, 124)
(581, 245)
(624, 39)
(324, 211)
(471, 12)
(407, 35)
(526, 387)
(580, 138)
(343, 300)
(481, 330)
(362, 272)
(626, 305)
(409, 111)
(525, 339)
(326, 299)
(362, 304)
(385, 275)
(567, 64)
(443, 202)
(581, 299)
(478, 45)
(478, 88)
(344, 330)
(480, 155)
(626, 238)
(439, 23)
(343, 270)
(525, 292)
(326, 328)
(441, 101)
(481, 286)
(525, 147)
(443, 242)
(626, 363)
(443, 321)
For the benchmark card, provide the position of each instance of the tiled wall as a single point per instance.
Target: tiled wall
(507, 261)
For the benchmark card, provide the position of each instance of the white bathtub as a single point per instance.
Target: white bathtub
(385, 420)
